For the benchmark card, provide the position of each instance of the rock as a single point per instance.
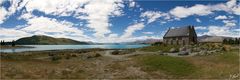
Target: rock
(202, 52)
(182, 49)
(98, 55)
(196, 49)
(93, 55)
(183, 53)
(116, 52)
(189, 50)
(172, 50)
(226, 48)
(122, 52)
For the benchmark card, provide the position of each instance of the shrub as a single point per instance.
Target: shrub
(116, 52)
(226, 48)
(56, 58)
(74, 55)
(97, 55)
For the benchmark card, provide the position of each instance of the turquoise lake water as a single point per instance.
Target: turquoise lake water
(61, 47)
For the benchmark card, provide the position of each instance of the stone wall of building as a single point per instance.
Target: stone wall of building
(176, 40)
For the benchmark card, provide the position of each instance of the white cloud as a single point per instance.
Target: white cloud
(220, 17)
(54, 7)
(43, 24)
(154, 15)
(131, 3)
(202, 10)
(9, 34)
(226, 20)
(200, 28)
(3, 14)
(230, 23)
(26, 16)
(198, 20)
(182, 12)
(97, 13)
(148, 32)
(222, 31)
(131, 29)
(236, 10)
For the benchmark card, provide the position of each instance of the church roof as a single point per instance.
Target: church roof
(182, 31)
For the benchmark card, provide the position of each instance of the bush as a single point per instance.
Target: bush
(97, 55)
(116, 52)
(157, 44)
(226, 48)
(56, 58)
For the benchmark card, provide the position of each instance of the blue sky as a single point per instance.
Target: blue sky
(116, 20)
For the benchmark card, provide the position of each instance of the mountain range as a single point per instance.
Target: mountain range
(207, 38)
(47, 40)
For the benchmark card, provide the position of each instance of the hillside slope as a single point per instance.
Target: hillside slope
(46, 40)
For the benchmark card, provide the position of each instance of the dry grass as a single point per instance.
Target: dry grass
(219, 66)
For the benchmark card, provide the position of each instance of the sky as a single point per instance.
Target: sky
(116, 20)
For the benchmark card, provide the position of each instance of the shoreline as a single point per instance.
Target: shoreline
(14, 47)
(63, 50)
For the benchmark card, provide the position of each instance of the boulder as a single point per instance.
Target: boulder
(226, 48)
(189, 50)
(116, 52)
(121, 52)
(93, 55)
(202, 52)
(172, 50)
(183, 53)
(196, 49)
(182, 49)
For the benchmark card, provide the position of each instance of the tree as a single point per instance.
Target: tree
(225, 41)
(13, 43)
(3, 43)
(231, 41)
(236, 41)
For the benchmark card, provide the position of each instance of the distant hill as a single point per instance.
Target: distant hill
(46, 40)
(207, 38)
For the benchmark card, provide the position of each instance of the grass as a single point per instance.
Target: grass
(217, 66)
(231, 57)
(170, 65)
(34, 65)
(164, 48)
(221, 65)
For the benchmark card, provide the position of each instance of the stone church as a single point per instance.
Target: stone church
(180, 36)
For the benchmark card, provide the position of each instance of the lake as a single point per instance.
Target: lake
(61, 47)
